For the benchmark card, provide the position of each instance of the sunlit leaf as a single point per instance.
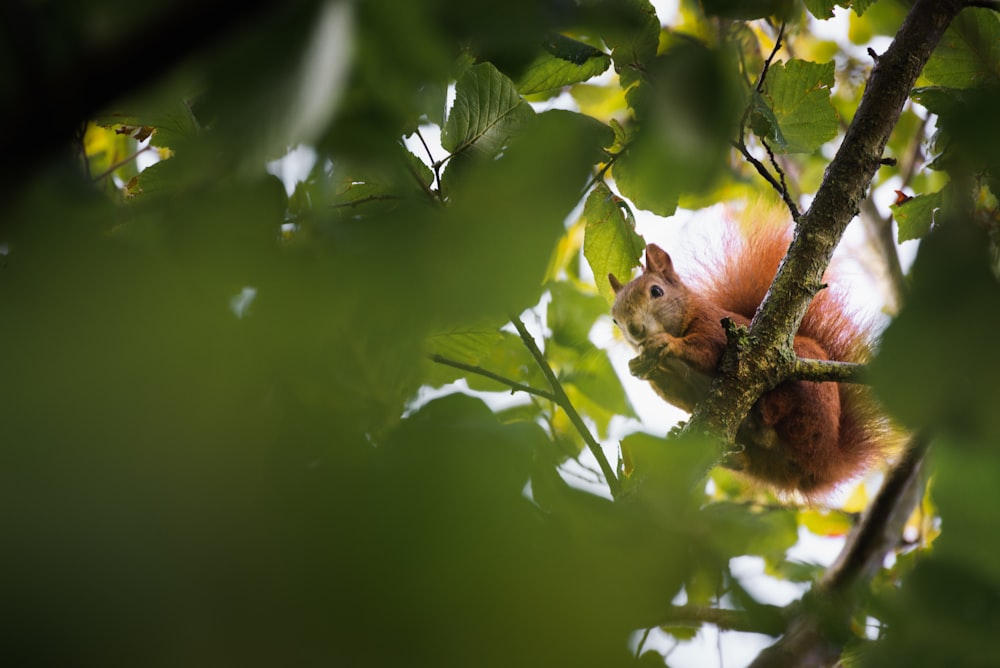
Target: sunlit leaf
(969, 51)
(487, 112)
(798, 94)
(566, 61)
(916, 215)
(611, 245)
(826, 523)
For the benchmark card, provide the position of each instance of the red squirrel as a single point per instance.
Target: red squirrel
(800, 436)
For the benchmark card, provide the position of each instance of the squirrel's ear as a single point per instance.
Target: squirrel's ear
(658, 262)
(616, 285)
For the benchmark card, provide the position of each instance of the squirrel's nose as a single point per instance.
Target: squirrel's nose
(637, 331)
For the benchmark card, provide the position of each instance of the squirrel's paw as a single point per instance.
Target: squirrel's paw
(642, 366)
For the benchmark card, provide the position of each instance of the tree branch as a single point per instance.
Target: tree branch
(740, 144)
(762, 170)
(827, 371)
(767, 619)
(847, 178)
(820, 626)
(560, 398)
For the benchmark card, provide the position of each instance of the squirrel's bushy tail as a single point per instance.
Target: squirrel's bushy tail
(739, 276)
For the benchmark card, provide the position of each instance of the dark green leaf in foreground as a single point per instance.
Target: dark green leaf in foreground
(565, 61)
(969, 52)
(487, 112)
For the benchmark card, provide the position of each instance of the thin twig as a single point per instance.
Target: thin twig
(740, 144)
(767, 619)
(479, 371)
(642, 643)
(365, 200)
(785, 195)
(560, 398)
(770, 58)
(762, 170)
(121, 163)
(599, 176)
(435, 165)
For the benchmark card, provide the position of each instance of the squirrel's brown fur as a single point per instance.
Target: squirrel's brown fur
(801, 436)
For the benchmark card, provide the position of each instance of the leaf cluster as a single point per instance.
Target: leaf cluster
(249, 420)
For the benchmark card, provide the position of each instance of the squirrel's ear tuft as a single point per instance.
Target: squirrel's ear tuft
(616, 285)
(658, 262)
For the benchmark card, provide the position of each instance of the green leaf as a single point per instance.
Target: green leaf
(364, 187)
(821, 9)
(916, 215)
(686, 107)
(571, 314)
(738, 530)
(861, 6)
(172, 121)
(487, 112)
(566, 61)
(610, 244)
(968, 53)
(634, 41)
(798, 94)
(490, 349)
(505, 216)
(589, 369)
(748, 10)
(938, 99)
(954, 304)
(637, 176)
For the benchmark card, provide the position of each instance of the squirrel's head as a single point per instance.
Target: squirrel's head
(653, 302)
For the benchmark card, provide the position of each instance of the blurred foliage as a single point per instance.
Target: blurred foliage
(217, 443)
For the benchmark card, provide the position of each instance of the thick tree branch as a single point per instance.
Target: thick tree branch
(821, 625)
(844, 186)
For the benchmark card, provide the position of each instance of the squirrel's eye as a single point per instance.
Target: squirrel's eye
(655, 291)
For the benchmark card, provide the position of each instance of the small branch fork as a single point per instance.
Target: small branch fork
(557, 396)
(779, 183)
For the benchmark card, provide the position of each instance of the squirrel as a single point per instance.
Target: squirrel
(801, 436)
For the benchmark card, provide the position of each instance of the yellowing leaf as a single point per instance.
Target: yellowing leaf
(857, 501)
(827, 523)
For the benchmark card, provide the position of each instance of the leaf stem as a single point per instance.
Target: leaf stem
(560, 398)
(121, 163)
(512, 384)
